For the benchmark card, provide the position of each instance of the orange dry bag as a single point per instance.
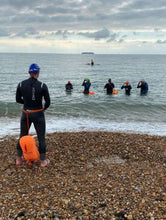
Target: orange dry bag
(30, 151)
(28, 144)
(115, 92)
(91, 93)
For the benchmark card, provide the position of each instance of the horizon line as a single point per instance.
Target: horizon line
(84, 54)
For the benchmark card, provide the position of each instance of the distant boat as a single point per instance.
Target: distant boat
(87, 53)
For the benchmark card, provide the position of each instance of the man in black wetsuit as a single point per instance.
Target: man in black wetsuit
(127, 87)
(69, 87)
(30, 93)
(109, 86)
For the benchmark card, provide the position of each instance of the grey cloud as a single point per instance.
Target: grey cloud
(4, 33)
(124, 36)
(64, 34)
(55, 10)
(143, 5)
(63, 19)
(29, 19)
(18, 5)
(52, 15)
(104, 33)
(161, 41)
(113, 37)
(29, 32)
(121, 40)
(156, 29)
(30, 4)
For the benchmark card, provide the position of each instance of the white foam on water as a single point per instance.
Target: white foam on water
(82, 124)
(10, 126)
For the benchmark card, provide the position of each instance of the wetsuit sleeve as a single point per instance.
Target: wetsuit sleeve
(19, 98)
(139, 85)
(46, 97)
(122, 87)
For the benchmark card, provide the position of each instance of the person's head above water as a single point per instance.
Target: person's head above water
(109, 80)
(69, 82)
(34, 68)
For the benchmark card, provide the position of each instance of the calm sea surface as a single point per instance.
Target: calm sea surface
(76, 111)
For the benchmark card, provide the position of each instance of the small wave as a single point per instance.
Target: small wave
(11, 126)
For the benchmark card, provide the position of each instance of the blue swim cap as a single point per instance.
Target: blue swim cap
(34, 68)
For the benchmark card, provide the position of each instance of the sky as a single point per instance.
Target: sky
(76, 26)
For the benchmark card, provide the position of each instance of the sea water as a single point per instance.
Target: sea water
(78, 112)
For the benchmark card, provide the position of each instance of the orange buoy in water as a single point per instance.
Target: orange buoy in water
(115, 92)
(30, 151)
(91, 93)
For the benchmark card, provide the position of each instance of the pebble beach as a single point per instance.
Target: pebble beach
(91, 176)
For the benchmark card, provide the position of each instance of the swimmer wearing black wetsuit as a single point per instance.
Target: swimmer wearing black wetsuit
(30, 93)
(109, 86)
(69, 86)
(127, 87)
